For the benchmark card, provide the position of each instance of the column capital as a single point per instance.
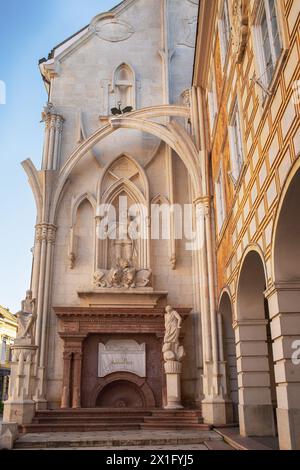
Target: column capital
(202, 200)
(281, 287)
(249, 322)
(46, 232)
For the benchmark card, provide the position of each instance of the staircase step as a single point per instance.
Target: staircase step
(78, 427)
(177, 425)
(173, 419)
(90, 419)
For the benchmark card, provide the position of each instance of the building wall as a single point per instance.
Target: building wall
(271, 143)
(160, 52)
(8, 332)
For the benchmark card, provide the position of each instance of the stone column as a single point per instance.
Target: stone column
(173, 372)
(255, 401)
(66, 391)
(48, 240)
(284, 311)
(20, 407)
(216, 406)
(77, 366)
(53, 131)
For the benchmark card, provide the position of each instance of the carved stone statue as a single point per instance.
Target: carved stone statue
(172, 351)
(240, 28)
(26, 318)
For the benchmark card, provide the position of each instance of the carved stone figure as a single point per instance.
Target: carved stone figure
(49, 109)
(124, 275)
(172, 350)
(26, 318)
(240, 28)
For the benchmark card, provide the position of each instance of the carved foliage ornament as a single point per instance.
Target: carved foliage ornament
(240, 28)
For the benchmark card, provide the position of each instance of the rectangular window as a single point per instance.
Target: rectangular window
(212, 102)
(269, 44)
(220, 200)
(236, 143)
(225, 31)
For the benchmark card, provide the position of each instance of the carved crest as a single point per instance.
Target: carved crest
(240, 28)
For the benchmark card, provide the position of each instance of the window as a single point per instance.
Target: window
(220, 200)
(236, 143)
(212, 102)
(269, 45)
(225, 31)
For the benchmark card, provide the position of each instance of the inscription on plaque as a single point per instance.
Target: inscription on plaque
(122, 356)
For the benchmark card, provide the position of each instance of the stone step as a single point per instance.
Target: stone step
(233, 438)
(94, 412)
(85, 419)
(116, 440)
(77, 427)
(176, 413)
(175, 425)
(172, 419)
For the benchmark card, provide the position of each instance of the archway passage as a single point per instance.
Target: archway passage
(255, 363)
(225, 310)
(284, 301)
(120, 394)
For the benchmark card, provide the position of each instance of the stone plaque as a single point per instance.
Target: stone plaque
(122, 356)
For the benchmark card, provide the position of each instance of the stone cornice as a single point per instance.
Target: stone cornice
(207, 14)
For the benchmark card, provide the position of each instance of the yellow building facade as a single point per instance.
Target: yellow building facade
(8, 332)
(246, 84)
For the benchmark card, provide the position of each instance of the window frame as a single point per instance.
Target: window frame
(220, 199)
(235, 134)
(224, 31)
(212, 99)
(264, 8)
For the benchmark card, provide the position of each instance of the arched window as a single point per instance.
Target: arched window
(124, 86)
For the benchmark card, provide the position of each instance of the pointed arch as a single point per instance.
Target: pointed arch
(76, 203)
(124, 85)
(178, 142)
(139, 170)
(35, 185)
(160, 199)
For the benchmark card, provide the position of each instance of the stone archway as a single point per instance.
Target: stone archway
(255, 364)
(225, 310)
(123, 390)
(284, 300)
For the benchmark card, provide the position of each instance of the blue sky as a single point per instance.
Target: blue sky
(29, 29)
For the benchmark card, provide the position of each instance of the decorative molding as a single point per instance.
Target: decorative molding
(173, 135)
(240, 28)
(190, 27)
(113, 30)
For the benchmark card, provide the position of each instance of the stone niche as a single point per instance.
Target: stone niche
(131, 337)
(128, 385)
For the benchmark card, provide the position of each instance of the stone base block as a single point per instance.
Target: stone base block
(41, 405)
(19, 412)
(288, 429)
(8, 435)
(257, 420)
(217, 412)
